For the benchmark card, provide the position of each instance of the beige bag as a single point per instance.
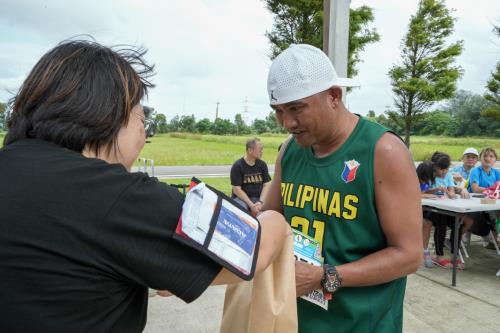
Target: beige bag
(268, 303)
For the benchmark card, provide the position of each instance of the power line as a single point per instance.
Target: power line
(245, 110)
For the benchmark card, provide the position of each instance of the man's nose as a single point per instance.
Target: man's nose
(289, 121)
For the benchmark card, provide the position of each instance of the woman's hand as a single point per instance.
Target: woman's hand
(164, 293)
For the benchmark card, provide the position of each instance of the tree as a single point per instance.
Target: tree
(175, 124)
(272, 124)
(427, 74)
(222, 127)
(437, 122)
(3, 114)
(187, 124)
(493, 90)
(161, 123)
(465, 107)
(240, 126)
(384, 121)
(299, 21)
(204, 126)
(260, 126)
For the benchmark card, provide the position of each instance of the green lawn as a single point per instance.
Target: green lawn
(196, 149)
(422, 147)
(223, 184)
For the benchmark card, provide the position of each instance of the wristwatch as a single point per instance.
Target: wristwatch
(332, 280)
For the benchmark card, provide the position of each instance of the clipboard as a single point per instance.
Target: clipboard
(220, 228)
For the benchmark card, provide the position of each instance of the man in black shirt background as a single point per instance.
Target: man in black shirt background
(250, 177)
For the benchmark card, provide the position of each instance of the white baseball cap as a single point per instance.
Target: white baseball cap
(470, 151)
(301, 71)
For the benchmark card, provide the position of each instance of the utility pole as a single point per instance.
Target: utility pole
(244, 116)
(217, 110)
(336, 35)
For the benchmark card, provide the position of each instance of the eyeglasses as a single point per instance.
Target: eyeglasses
(147, 122)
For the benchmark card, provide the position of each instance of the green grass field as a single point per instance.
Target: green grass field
(196, 149)
(223, 184)
(422, 147)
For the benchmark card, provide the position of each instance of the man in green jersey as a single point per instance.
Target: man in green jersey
(351, 185)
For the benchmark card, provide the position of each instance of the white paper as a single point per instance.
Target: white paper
(197, 212)
(307, 249)
(235, 234)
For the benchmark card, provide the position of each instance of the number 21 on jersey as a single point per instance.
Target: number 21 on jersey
(302, 224)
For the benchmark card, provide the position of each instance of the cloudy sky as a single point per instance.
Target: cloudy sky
(215, 50)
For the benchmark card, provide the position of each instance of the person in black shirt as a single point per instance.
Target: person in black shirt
(250, 177)
(82, 238)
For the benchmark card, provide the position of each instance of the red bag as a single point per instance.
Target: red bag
(493, 192)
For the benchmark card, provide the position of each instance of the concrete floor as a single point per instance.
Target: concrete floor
(431, 304)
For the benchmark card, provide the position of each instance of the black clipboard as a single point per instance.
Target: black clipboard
(228, 218)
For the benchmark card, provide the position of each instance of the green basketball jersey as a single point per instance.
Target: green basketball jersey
(332, 199)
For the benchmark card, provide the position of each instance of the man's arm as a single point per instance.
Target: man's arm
(265, 189)
(474, 181)
(400, 215)
(267, 182)
(242, 195)
(272, 199)
(476, 188)
(236, 176)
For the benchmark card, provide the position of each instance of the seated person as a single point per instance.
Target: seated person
(426, 178)
(444, 182)
(250, 177)
(482, 177)
(461, 172)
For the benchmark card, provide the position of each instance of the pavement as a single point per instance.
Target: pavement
(431, 304)
(206, 170)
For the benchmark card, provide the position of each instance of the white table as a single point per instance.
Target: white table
(456, 207)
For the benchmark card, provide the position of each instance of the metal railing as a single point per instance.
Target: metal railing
(146, 163)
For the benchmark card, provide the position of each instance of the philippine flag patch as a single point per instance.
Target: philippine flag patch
(350, 169)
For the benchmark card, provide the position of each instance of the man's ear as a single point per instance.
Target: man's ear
(334, 95)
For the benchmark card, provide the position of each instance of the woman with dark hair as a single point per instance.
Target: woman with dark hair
(445, 186)
(82, 238)
(426, 178)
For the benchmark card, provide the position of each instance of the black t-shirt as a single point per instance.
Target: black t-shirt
(81, 240)
(251, 178)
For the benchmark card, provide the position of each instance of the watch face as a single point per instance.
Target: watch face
(331, 281)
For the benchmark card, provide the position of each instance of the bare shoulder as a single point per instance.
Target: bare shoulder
(281, 152)
(391, 146)
(392, 157)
